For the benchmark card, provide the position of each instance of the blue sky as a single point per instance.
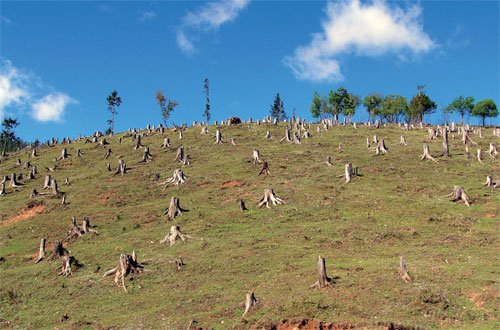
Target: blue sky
(59, 60)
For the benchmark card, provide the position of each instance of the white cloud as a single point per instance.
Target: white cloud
(51, 107)
(146, 15)
(365, 29)
(208, 17)
(185, 44)
(13, 86)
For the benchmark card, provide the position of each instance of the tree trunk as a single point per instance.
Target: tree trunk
(146, 156)
(458, 193)
(348, 172)
(323, 280)
(287, 137)
(166, 143)
(402, 141)
(264, 169)
(492, 151)
(2, 190)
(256, 156)
(127, 264)
(446, 150)
(122, 167)
(242, 206)
(58, 251)
(138, 142)
(13, 181)
(41, 251)
(108, 153)
(64, 154)
(218, 137)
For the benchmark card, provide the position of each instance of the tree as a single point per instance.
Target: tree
(393, 107)
(207, 98)
(461, 105)
(373, 104)
(316, 106)
(420, 105)
(339, 101)
(8, 138)
(353, 101)
(114, 101)
(278, 109)
(166, 106)
(485, 108)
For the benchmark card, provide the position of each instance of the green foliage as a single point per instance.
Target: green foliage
(339, 101)
(461, 106)
(420, 105)
(114, 101)
(393, 107)
(316, 107)
(8, 139)
(353, 101)
(485, 108)
(373, 104)
(206, 89)
(278, 109)
(167, 106)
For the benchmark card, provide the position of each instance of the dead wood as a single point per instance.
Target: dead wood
(264, 169)
(128, 264)
(348, 172)
(68, 261)
(329, 161)
(138, 142)
(108, 153)
(218, 137)
(270, 197)
(268, 135)
(323, 280)
(241, 204)
(427, 154)
(173, 235)
(13, 181)
(250, 301)
(64, 154)
(458, 193)
(288, 137)
(58, 251)
(122, 167)
(492, 151)
(2, 190)
(146, 156)
(403, 272)
(446, 149)
(233, 142)
(256, 156)
(296, 139)
(41, 251)
(174, 209)
(490, 183)
(166, 143)
(204, 130)
(177, 178)
(34, 193)
(180, 155)
(466, 138)
(479, 155)
(368, 145)
(63, 200)
(402, 140)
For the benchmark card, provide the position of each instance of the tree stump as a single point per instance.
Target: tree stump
(41, 251)
(2, 190)
(427, 154)
(177, 178)
(122, 167)
(180, 155)
(479, 155)
(368, 144)
(323, 280)
(78, 153)
(138, 143)
(127, 264)
(375, 140)
(31, 175)
(174, 209)
(108, 153)
(264, 169)
(402, 140)
(288, 137)
(381, 145)
(204, 130)
(268, 135)
(250, 301)
(256, 156)
(34, 193)
(58, 251)
(173, 235)
(64, 154)
(403, 272)
(218, 137)
(296, 139)
(146, 156)
(33, 153)
(446, 149)
(467, 151)
(348, 172)
(329, 161)
(490, 183)
(270, 197)
(166, 143)
(458, 193)
(54, 187)
(13, 181)
(241, 204)
(492, 151)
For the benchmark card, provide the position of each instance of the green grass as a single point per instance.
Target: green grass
(397, 207)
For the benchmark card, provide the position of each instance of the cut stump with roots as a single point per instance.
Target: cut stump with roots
(173, 235)
(270, 197)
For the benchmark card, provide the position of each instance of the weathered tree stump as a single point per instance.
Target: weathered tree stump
(382, 146)
(256, 156)
(323, 280)
(479, 155)
(166, 143)
(128, 264)
(2, 190)
(427, 154)
(204, 130)
(31, 174)
(68, 261)
(348, 172)
(490, 183)
(218, 137)
(264, 169)
(241, 204)
(78, 153)
(122, 167)
(288, 136)
(63, 200)
(296, 139)
(177, 178)
(180, 155)
(402, 140)
(403, 272)
(446, 149)
(250, 301)
(41, 251)
(466, 138)
(146, 156)
(174, 209)
(270, 197)
(64, 154)
(54, 187)
(108, 153)
(58, 251)
(329, 161)
(492, 151)
(458, 193)
(138, 143)
(13, 181)
(173, 235)
(34, 193)
(268, 135)
(368, 144)
(33, 153)
(467, 151)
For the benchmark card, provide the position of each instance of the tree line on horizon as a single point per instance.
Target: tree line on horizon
(394, 108)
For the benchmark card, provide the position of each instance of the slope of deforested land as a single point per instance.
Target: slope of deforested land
(395, 207)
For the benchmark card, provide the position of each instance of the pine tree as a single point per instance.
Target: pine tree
(207, 97)
(278, 109)
(114, 101)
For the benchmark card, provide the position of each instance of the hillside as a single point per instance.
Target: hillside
(395, 207)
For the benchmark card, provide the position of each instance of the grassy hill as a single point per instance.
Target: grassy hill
(395, 208)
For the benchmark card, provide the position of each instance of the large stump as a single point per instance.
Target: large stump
(323, 280)
(174, 209)
(128, 264)
(173, 235)
(270, 197)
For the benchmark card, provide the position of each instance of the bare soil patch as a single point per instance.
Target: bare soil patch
(26, 213)
(233, 183)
